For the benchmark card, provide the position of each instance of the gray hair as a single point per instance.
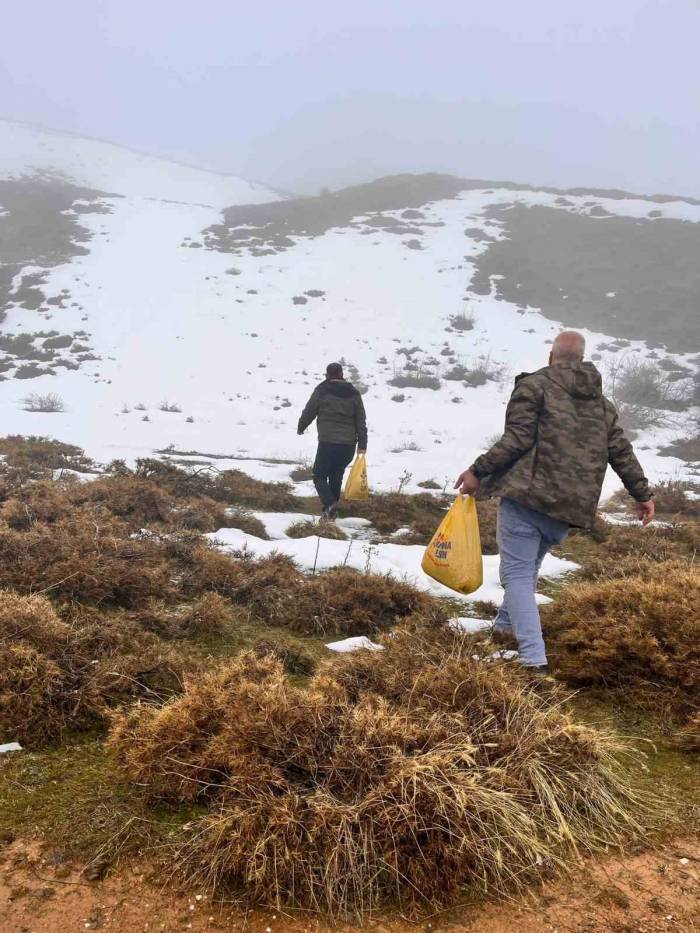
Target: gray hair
(568, 347)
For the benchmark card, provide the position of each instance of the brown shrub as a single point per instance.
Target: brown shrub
(631, 630)
(210, 614)
(442, 773)
(670, 498)
(347, 602)
(87, 556)
(616, 550)
(390, 511)
(309, 529)
(294, 657)
(37, 456)
(37, 698)
(200, 515)
(239, 518)
(42, 501)
(241, 489)
(32, 619)
(137, 500)
(57, 675)
(337, 601)
(153, 673)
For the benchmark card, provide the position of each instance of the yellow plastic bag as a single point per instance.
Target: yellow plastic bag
(356, 486)
(453, 557)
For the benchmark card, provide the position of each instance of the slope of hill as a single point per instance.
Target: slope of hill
(25, 150)
(164, 324)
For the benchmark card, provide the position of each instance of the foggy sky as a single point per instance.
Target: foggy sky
(302, 94)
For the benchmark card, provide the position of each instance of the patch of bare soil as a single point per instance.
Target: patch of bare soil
(41, 892)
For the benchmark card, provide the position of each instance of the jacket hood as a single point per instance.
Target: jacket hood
(580, 380)
(339, 387)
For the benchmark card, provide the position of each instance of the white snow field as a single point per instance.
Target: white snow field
(219, 336)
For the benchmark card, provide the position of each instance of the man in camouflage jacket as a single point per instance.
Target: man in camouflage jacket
(548, 468)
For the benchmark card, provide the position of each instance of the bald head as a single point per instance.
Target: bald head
(568, 347)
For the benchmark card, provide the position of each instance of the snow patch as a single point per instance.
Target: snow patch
(356, 643)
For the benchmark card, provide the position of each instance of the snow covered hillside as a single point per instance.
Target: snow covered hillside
(163, 323)
(91, 163)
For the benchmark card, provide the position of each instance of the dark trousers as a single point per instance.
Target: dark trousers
(329, 467)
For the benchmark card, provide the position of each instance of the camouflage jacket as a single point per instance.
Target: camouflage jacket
(560, 434)
(339, 412)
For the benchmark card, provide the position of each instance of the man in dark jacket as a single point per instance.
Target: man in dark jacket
(340, 418)
(548, 467)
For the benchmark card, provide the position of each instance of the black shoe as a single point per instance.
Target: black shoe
(328, 512)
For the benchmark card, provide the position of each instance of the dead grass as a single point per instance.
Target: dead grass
(404, 776)
(340, 601)
(87, 556)
(57, 675)
(36, 456)
(670, 498)
(244, 490)
(308, 529)
(688, 738)
(637, 630)
(210, 614)
(623, 550)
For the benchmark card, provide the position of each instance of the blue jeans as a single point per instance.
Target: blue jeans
(524, 536)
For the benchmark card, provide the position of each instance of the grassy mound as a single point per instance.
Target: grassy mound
(57, 675)
(340, 601)
(405, 775)
(310, 529)
(637, 629)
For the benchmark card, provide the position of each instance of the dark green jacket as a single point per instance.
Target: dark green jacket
(560, 434)
(339, 412)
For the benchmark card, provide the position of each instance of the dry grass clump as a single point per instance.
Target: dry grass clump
(670, 498)
(688, 738)
(632, 630)
(406, 775)
(391, 511)
(59, 674)
(310, 529)
(210, 614)
(623, 550)
(88, 556)
(338, 601)
(139, 501)
(295, 659)
(42, 501)
(36, 456)
(142, 502)
(240, 518)
(241, 489)
(32, 619)
(37, 700)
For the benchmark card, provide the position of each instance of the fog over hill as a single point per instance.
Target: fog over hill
(130, 285)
